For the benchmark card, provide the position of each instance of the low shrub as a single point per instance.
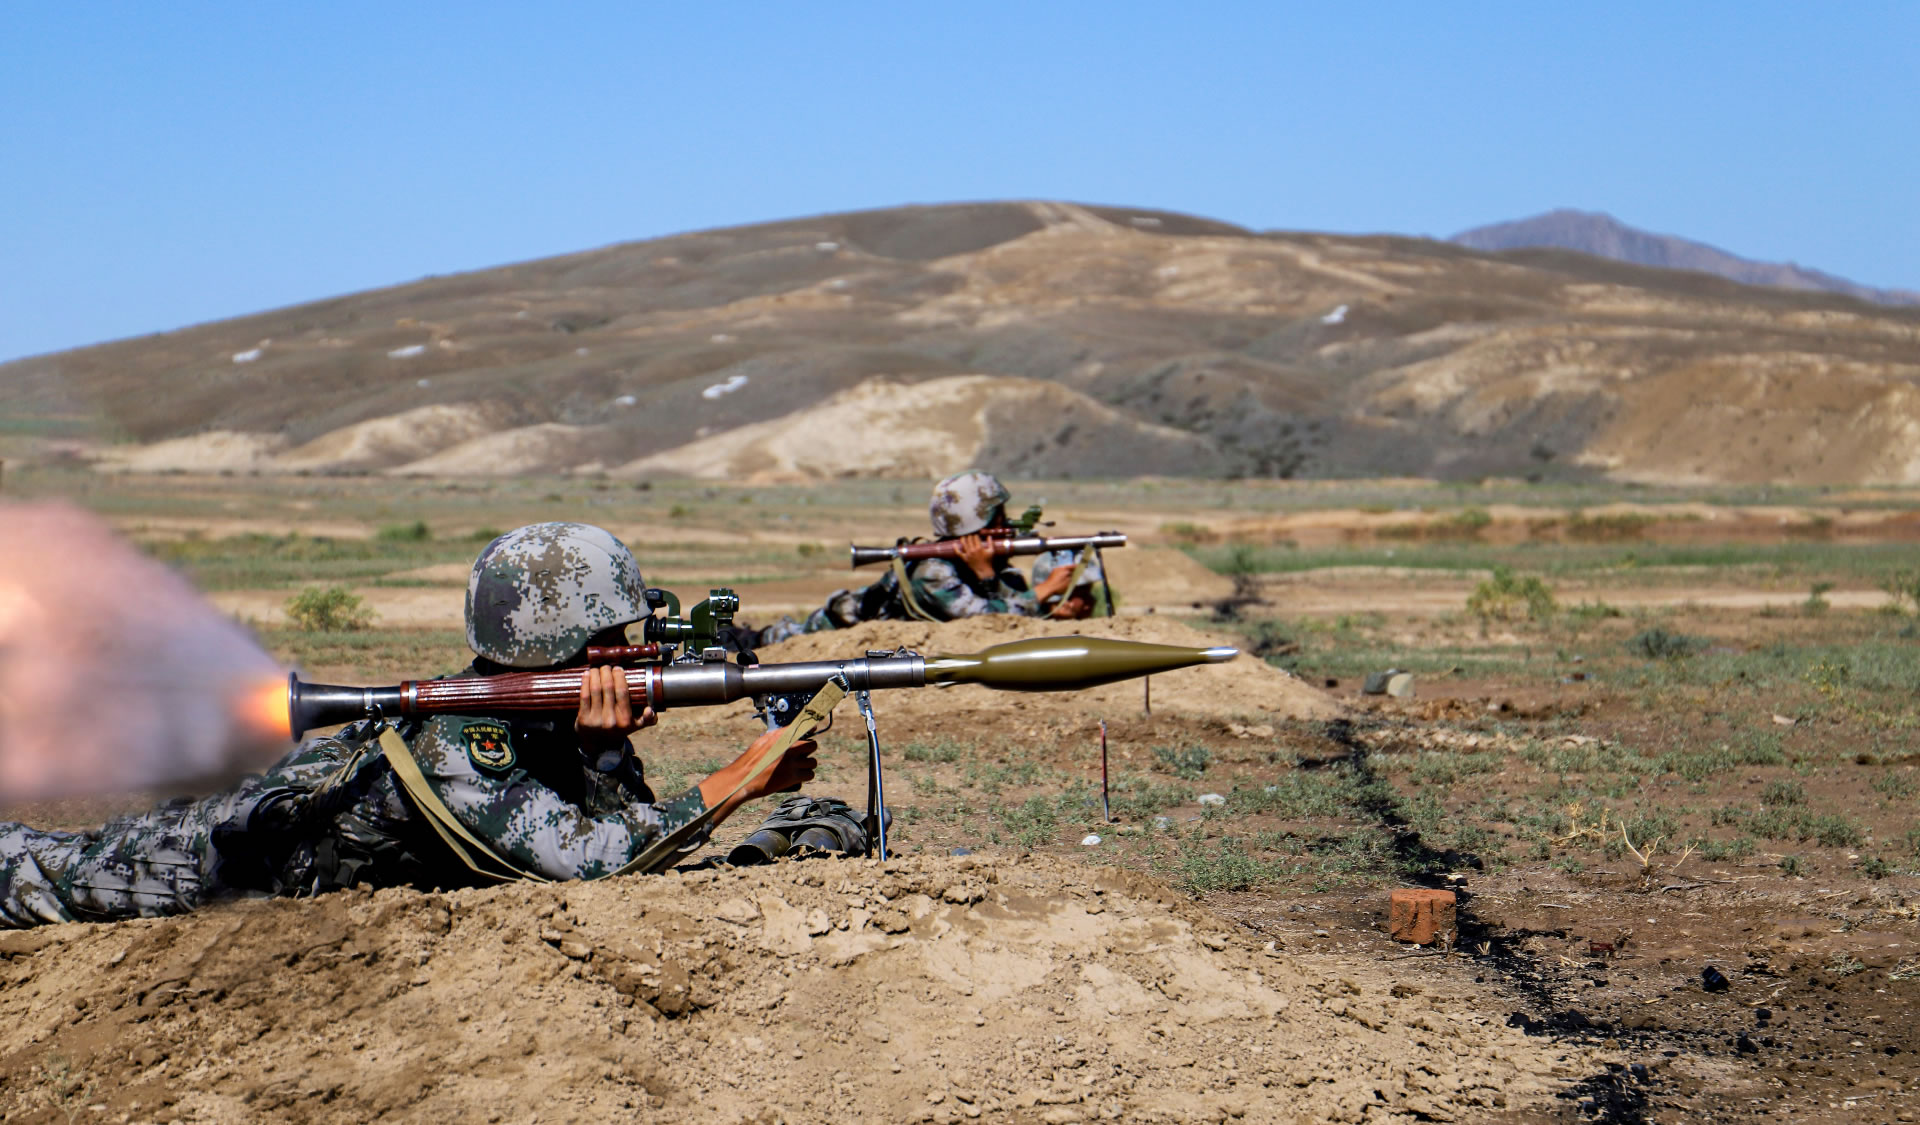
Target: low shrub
(335, 609)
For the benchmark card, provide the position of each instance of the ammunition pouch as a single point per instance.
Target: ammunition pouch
(804, 825)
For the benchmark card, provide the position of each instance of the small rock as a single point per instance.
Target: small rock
(1163, 822)
(1420, 916)
(1089, 841)
(817, 922)
(1783, 721)
(1713, 980)
(961, 851)
(1376, 682)
(1401, 686)
(737, 911)
(1211, 799)
(576, 949)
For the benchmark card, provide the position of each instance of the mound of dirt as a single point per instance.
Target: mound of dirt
(883, 427)
(1241, 687)
(211, 452)
(912, 990)
(1162, 577)
(396, 439)
(542, 448)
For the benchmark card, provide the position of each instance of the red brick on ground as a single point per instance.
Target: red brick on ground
(1420, 916)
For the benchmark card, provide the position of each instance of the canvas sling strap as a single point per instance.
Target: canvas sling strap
(1081, 559)
(481, 859)
(914, 609)
(484, 861)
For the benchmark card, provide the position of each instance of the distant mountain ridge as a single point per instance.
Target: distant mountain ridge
(1602, 235)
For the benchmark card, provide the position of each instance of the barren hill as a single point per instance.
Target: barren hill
(1042, 338)
(1592, 232)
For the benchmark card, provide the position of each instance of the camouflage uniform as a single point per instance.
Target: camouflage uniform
(325, 818)
(1045, 563)
(962, 504)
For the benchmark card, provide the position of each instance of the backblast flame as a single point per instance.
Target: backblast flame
(115, 674)
(262, 710)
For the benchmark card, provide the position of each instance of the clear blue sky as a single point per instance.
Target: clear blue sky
(168, 163)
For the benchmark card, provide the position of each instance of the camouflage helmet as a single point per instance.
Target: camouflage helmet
(966, 502)
(539, 592)
(1046, 562)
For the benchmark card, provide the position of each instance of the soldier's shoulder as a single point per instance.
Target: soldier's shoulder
(452, 745)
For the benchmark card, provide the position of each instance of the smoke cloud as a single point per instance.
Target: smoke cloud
(115, 674)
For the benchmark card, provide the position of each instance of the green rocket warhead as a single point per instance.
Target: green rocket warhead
(1036, 664)
(1066, 663)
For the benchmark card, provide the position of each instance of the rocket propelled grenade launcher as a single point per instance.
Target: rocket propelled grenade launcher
(1035, 664)
(1002, 544)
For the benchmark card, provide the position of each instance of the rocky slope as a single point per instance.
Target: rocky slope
(1045, 339)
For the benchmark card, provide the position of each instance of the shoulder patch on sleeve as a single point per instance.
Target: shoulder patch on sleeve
(489, 745)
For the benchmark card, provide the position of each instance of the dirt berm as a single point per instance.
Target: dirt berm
(1002, 989)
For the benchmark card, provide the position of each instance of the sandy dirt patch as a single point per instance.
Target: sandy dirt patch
(911, 990)
(211, 452)
(547, 447)
(395, 439)
(882, 427)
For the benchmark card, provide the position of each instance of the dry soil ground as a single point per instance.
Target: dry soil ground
(1700, 753)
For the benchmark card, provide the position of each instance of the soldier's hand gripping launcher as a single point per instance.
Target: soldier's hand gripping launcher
(1035, 664)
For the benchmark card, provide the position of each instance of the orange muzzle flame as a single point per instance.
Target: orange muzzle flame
(262, 710)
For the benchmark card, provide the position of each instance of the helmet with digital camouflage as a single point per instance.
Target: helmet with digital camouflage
(967, 502)
(539, 592)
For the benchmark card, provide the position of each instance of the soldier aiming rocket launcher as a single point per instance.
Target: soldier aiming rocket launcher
(680, 665)
(1016, 538)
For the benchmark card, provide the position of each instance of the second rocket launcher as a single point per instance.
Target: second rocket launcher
(1035, 664)
(1002, 545)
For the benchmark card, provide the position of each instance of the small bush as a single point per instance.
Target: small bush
(335, 609)
(945, 750)
(415, 532)
(1613, 528)
(1189, 534)
(1817, 603)
(1032, 824)
(1779, 794)
(1241, 560)
(1137, 798)
(1818, 527)
(1186, 764)
(484, 534)
(1588, 612)
(809, 549)
(1791, 865)
(1659, 644)
(1467, 523)
(1716, 851)
(1903, 586)
(1873, 867)
(1894, 786)
(1505, 597)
